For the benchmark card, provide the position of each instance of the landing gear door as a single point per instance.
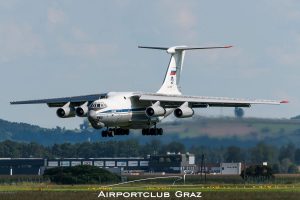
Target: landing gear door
(115, 115)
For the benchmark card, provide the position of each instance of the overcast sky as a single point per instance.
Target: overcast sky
(63, 48)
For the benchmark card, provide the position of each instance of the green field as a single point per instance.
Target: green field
(24, 191)
(242, 128)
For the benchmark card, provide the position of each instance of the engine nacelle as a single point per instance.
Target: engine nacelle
(65, 112)
(155, 111)
(82, 111)
(183, 112)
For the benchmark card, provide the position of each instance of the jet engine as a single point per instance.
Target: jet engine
(82, 111)
(65, 112)
(155, 111)
(183, 111)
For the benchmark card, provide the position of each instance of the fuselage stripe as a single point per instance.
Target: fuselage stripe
(124, 110)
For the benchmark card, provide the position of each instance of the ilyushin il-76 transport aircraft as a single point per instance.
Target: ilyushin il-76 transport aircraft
(117, 112)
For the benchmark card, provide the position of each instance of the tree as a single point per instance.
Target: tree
(81, 174)
(239, 112)
(263, 153)
(293, 169)
(153, 147)
(174, 146)
(233, 154)
(287, 151)
(297, 156)
(285, 165)
(257, 173)
(275, 168)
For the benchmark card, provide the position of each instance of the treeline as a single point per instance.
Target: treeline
(284, 159)
(45, 136)
(213, 132)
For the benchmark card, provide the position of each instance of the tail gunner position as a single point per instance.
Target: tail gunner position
(117, 112)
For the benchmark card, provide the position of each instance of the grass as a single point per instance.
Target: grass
(224, 192)
(215, 189)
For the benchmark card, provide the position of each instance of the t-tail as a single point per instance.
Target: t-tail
(172, 78)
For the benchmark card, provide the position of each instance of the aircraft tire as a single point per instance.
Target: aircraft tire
(110, 134)
(152, 131)
(126, 131)
(118, 131)
(104, 133)
(160, 131)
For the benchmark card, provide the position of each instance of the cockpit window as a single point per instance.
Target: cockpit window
(100, 105)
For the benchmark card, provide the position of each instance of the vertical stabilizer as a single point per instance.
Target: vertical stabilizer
(171, 82)
(172, 77)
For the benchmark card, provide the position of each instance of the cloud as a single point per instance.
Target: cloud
(288, 53)
(79, 34)
(8, 4)
(56, 16)
(180, 18)
(19, 40)
(288, 9)
(87, 50)
(185, 18)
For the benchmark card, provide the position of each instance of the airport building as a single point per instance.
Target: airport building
(36, 166)
(170, 163)
(173, 163)
(115, 164)
(22, 166)
(222, 168)
(231, 168)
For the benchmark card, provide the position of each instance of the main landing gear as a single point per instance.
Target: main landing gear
(152, 131)
(115, 131)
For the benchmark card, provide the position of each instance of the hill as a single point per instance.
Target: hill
(197, 131)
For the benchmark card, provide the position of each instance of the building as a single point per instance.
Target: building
(124, 164)
(172, 163)
(22, 166)
(231, 168)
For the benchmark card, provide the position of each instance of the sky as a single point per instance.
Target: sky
(60, 48)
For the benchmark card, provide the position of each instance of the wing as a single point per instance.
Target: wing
(173, 101)
(59, 102)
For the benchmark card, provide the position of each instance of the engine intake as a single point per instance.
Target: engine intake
(155, 111)
(183, 111)
(65, 112)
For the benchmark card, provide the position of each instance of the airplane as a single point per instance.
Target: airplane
(118, 112)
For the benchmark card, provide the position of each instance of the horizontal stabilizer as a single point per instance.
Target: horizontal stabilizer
(182, 48)
(159, 48)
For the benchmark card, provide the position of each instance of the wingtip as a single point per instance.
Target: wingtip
(228, 46)
(284, 101)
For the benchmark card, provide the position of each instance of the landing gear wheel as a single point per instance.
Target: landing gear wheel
(152, 131)
(126, 131)
(143, 131)
(118, 131)
(160, 131)
(110, 134)
(104, 133)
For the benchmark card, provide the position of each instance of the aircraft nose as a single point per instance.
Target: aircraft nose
(92, 114)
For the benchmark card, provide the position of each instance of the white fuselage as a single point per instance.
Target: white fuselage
(121, 109)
